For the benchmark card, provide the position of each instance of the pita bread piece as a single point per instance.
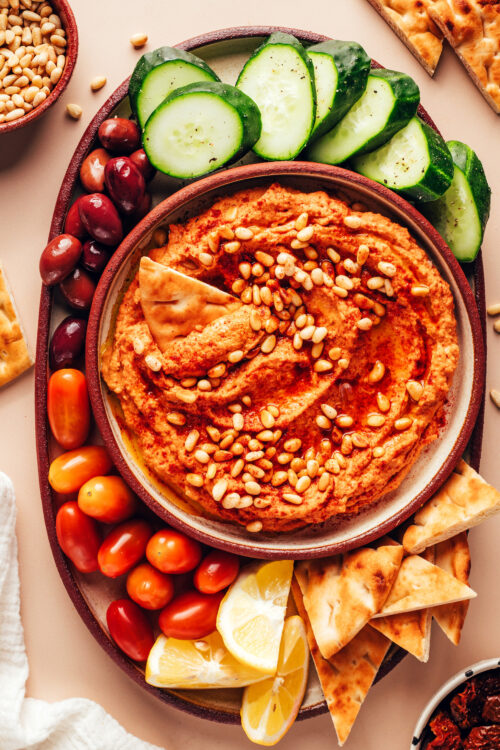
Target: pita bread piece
(410, 21)
(420, 584)
(462, 502)
(453, 555)
(342, 593)
(410, 630)
(347, 677)
(14, 355)
(175, 304)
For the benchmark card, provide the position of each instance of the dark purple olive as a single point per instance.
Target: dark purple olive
(59, 258)
(119, 135)
(67, 343)
(100, 218)
(78, 289)
(92, 170)
(95, 256)
(125, 184)
(143, 209)
(143, 164)
(73, 224)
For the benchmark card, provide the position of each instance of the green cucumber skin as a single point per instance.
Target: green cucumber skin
(353, 67)
(467, 160)
(440, 171)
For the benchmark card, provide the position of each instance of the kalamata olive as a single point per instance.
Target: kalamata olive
(100, 218)
(73, 224)
(125, 184)
(78, 289)
(66, 345)
(119, 135)
(143, 209)
(95, 256)
(92, 170)
(143, 164)
(59, 258)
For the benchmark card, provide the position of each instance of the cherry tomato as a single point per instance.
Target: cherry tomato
(216, 572)
(149, 588)
(130, 629)
(68, 472)
(190, 615)
(123, 547)
(107, 498)
(78, 537)
(173, 552)
(68, 408)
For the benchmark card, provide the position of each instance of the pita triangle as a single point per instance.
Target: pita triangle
(175, 304)
(420, 584)
(454, 557)
(347, 677)
(410, 630)
(342, 593)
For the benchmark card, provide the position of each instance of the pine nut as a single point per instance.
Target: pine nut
(98, 82)
(219, 490)
(138, 40)
(378, 451)
(377, 372)
(254, 527)
(493, 309)
(323, 422)
(191, 440)
(353, 222)
(415, 389)
(322, 365)
(268, 344)
(403, 423)
(375, 420)
(196, 480)
(291, 497)
(176, 418)
(495, 397)
(420, 290)
(73, 110)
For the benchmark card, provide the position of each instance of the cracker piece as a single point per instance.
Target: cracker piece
(14, 355)
(453, 555)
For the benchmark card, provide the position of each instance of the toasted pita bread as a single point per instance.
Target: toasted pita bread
(410, 21)
(347, 677)
(464, 501)
(454, 557)
(420, 584)
(175, 304)
(472, 27)
(342, 593)
(410, 630)
(14, 355)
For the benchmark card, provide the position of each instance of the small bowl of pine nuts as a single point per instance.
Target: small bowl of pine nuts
(38, 51)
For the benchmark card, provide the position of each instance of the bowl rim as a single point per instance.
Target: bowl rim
(227, 179)
(442, 692)
(64, 10)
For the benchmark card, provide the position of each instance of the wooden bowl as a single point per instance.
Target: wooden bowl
(63, 9)
(434, 464)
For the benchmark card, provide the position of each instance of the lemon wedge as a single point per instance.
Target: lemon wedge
(251, 615)
(270, 707)
(204, 663)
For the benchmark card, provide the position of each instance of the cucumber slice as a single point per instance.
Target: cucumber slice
(340, 71)
(279, 77)
(415, 162)
(199, 128)
(389, 102)
(160, 72)
(460, 215)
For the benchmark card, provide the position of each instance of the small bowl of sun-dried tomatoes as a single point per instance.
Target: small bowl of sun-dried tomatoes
(464, 714)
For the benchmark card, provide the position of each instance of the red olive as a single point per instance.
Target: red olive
(78, 289)
(143, 164)
(125, 184)
(120, 135)
(100, 218)
(92, 170)
(95, 256)
(73, 224)
(67, 343)
(59, 258)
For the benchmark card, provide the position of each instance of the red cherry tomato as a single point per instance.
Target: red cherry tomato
(149, 588)
(123, 547)
(78, 537)
(68, 408)
(173, 552)
(216, 572)
(68, 472)
(190, 615)
(107, 498)
(130, 629)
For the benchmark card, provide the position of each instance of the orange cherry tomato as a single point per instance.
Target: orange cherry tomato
(130, 629)
(108, 499)
(216, 572)
(173, 552)
(68, 408)
(190, 615)
(123, 547)
(149, 588)
(78, 537)
(70, 471)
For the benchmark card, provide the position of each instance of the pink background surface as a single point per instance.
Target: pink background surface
(65, 661)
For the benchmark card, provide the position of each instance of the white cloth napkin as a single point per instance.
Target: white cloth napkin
(73, 724)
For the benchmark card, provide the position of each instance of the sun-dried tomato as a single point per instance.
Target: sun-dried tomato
(483, 738)
(491, 709)
(489, 684)
(447, 735)
(466, 706)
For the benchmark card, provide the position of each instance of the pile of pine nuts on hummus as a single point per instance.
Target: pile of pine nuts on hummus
(32, 55)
